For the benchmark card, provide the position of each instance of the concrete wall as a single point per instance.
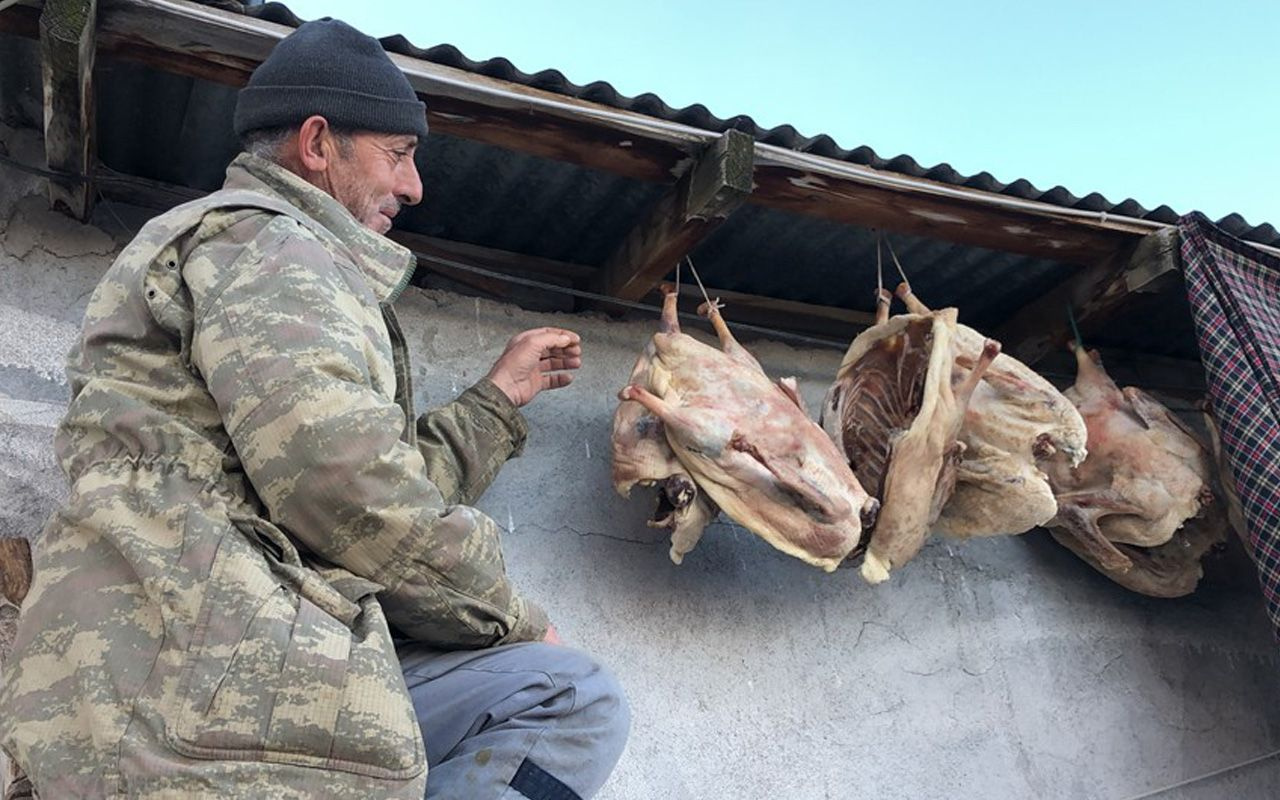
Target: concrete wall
(993, 669)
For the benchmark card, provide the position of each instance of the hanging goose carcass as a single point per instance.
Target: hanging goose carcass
(1015, 421)
(1141, 507)
(642, 455)
(895, 410)
(743, 440)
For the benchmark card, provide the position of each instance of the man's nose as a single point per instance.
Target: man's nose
(409, 184)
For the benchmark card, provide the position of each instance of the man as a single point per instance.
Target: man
(252, 501)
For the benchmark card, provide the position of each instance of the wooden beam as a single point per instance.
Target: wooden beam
(712, 189)
(67, 48)
(437, 257)
(1042, 326)
(1093, 294)
(837, 325)
(496, 260)
(1156, 262)
(853, 194)
(830, 323)
(142, 192)
(435, 274)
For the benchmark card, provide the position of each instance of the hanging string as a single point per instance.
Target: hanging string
(897, 263)
(879, 266)
(1075, 329)
(716, 304)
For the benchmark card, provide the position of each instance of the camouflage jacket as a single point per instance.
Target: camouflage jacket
(252, 500)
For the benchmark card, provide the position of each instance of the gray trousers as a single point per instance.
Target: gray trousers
(528, 721)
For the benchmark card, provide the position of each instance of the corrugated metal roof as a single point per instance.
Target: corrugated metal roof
(178, 130)
(786, 136)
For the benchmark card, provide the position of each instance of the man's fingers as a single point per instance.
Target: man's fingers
(535, 360)
(550, 332)
(567, 352)
(547, 338)
(556, 380)
(551, 363)
(572, 350)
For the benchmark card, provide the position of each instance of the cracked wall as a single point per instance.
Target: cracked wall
(993, 668)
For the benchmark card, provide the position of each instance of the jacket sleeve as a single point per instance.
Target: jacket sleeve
(466, 442)
(283, 346)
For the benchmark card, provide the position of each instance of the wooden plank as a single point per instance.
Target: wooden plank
(1094, 294)
(835, 324)
(1042, 326)
(853, 194)
(712, 189)
(782, 308)
(438, 256)
(830, 323)
(1156, 262)
(143, 192)
(496, 260)
(431, 250)
(433, 274)
(67, 48)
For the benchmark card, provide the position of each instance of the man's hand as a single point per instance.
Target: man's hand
(552, 636)
(535, 360)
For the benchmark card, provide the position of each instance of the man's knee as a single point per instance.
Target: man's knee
(599, 701)
(588, 737)
(547, 713)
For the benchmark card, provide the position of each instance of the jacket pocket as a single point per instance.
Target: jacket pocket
(284, 668)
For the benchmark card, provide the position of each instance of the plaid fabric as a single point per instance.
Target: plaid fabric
(1234, 291)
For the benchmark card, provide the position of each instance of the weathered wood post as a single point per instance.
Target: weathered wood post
(67, 51)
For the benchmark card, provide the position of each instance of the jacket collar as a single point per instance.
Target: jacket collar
(386, 265)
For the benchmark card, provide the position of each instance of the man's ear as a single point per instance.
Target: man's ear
(315, 143)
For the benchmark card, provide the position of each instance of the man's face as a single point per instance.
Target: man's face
(374, 176)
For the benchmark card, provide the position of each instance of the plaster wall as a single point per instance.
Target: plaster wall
(1001, 668)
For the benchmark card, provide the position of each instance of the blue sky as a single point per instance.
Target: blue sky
(1166, 102)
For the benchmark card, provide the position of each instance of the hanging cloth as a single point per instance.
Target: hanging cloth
(1234, 290)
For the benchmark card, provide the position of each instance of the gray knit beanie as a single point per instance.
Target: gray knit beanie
(329, 68)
